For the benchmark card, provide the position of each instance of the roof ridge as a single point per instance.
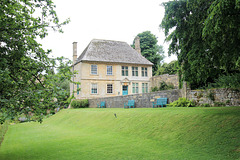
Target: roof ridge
(111, 51)
(107, 40)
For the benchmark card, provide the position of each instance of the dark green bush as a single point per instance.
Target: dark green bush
(79, 103)
(210, 95)
(155, 89)
(219, 104)
(228, 102)
(205, 105)
(163, 86)
(229, 81)
(182, 102)
(52, 111)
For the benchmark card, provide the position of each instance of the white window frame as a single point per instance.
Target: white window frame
(124, 70)
(94, 71)
(135, 71)
(94, 87)
(144, 72)
(135, 88)
(144, 87)
(109, 70)
(110, 87)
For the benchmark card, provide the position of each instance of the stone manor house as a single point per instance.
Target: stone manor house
(110, 68)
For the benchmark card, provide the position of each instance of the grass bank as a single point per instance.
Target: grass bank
(159, 133)
(3, 130)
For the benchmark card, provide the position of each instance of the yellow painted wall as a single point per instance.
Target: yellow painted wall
(102, 79)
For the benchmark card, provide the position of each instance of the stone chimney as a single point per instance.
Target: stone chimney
(74, 52)
(137, 44)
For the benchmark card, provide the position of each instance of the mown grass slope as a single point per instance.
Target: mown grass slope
(159, 133)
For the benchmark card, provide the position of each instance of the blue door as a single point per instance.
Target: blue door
(125, 90)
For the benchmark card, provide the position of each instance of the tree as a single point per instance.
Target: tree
(61, 83)
(222, 32)
(25, 68)
(150, 50)
(168, 68)
(196, 31)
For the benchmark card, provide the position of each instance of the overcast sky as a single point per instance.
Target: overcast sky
(119, 20)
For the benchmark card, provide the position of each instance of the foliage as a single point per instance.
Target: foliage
(61, 82)
(198, 131)
(154, 89)
(68, 101)
(204, 35)
(150, 50)
(227, 81)
(219, 104)
(163, 86)
(79, 103)
(210, 95)
(182, 102)
(228, 102)
(205, 105)
(168, 68)
(221, 31)
(26, 71)
(3, 130)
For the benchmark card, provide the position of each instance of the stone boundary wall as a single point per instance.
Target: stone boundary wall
(228, 96)
(141, 100)
(155, 80)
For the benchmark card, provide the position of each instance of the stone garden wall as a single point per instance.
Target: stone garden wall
(141, 100)
(169, 79)
(227, 96)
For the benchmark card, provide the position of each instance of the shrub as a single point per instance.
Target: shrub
(228, 102)
(68, 101)
(219, 104)
(205, 105)
(79, 103)
(229, 81)
(163, 86)
(52, 111)
(210, 95)
(182, 102)
(154, 89)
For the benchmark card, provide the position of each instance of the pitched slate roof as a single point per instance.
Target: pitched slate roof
(111, 51)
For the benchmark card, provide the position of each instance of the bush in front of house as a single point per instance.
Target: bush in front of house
(79, 103)
(182, 102)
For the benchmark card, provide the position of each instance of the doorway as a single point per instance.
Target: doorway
(124, 90)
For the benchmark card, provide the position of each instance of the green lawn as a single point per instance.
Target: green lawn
(153, 133)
